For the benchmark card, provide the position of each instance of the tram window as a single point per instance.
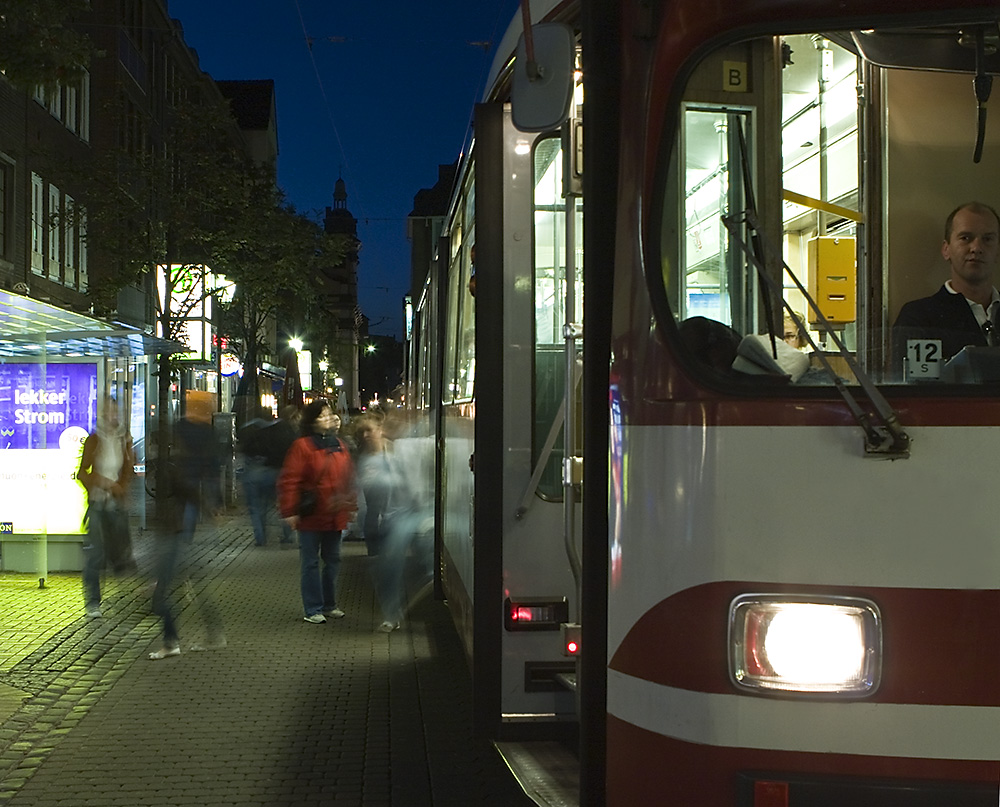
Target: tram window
(550, 279)
(449, 388)
(465, 383)
(853, 166)
(710, 284)
(460, 346)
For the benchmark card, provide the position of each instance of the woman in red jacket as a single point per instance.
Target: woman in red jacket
(316, 497)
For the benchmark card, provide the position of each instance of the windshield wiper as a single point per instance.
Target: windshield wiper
(887, 440)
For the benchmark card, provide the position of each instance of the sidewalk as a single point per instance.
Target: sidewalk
(288, 713)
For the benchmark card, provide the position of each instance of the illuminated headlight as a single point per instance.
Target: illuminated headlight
(803, 644)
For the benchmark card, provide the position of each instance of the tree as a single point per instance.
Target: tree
(275, 266)
(37, 47)
(168, 206)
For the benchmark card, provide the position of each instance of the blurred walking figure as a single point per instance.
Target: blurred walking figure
(401, 473)
(316, 497)
(106, 469)
(193, 485)
(265, 442)
(374, 478)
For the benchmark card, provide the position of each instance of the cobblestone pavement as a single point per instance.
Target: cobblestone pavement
(288, 713)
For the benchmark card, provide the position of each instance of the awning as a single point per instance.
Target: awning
(269, 370)
(34, 328)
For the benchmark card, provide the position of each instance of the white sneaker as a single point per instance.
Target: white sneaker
(211, 644)
(94, 613)
(334, 613)
(388, 627)
(165, 652)
(316, 619)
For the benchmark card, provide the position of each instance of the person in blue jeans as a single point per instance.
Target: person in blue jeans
(106, 468)
(265, 442)
(316, 497)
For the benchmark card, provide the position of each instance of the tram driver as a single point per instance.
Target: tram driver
(966, 309)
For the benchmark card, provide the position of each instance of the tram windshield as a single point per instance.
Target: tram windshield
(806, 235)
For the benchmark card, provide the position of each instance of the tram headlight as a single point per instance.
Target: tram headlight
(802, 644)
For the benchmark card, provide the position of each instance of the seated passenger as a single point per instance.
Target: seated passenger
(965, 310)
(793, 334)
(711, 342)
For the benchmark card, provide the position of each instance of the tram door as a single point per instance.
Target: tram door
(527, 258)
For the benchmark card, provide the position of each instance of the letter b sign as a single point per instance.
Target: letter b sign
(734, 77)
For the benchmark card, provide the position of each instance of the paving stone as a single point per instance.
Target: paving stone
(287, 714)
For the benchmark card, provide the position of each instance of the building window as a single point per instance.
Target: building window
(69, 104)
(53, 101)
(81, 232)
(5, 171)
(72, 108)
(55, 227)
(37, 222)
(72, 243)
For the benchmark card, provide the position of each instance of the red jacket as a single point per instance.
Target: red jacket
(328, 469)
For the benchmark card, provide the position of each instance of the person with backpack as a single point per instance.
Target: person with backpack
(316, 497)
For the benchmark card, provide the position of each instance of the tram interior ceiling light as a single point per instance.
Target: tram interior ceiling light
(805, 645)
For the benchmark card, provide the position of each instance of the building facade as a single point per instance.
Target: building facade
(68, 334)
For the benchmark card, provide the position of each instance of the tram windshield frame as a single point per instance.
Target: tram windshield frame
(796, 212)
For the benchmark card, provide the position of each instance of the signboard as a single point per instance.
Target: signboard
(924, 359)
(46, 412)
(191, 304)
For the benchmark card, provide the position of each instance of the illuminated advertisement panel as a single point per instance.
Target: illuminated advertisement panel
(46, 412)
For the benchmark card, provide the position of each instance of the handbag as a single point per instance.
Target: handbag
(308, 500)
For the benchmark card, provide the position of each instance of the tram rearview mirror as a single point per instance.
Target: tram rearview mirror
(541, 92)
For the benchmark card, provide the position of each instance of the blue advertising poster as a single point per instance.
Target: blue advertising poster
(46, 412)
(38, 402)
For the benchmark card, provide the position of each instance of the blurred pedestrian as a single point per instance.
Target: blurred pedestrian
(316, 497)
(106, 469)
(264, 442)
(407, 520)
(193, 487)
(374, 478)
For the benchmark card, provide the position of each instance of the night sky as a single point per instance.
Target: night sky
(381, 95)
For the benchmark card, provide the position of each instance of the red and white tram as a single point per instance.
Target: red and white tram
(777, 560)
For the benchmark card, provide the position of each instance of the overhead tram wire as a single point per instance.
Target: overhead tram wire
(326, 103)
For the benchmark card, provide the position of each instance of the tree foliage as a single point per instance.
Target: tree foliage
(37, 46)
(184, 195)
(175, 194)
(277, 264)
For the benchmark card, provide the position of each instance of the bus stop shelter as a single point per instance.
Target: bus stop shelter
(54, 365)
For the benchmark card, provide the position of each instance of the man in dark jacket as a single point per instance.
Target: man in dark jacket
(265, 442)
(965, 310)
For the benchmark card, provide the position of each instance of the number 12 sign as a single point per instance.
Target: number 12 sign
(923, 359)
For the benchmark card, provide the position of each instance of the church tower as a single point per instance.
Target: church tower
(345, 324)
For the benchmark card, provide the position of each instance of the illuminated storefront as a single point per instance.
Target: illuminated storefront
(55, 365)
